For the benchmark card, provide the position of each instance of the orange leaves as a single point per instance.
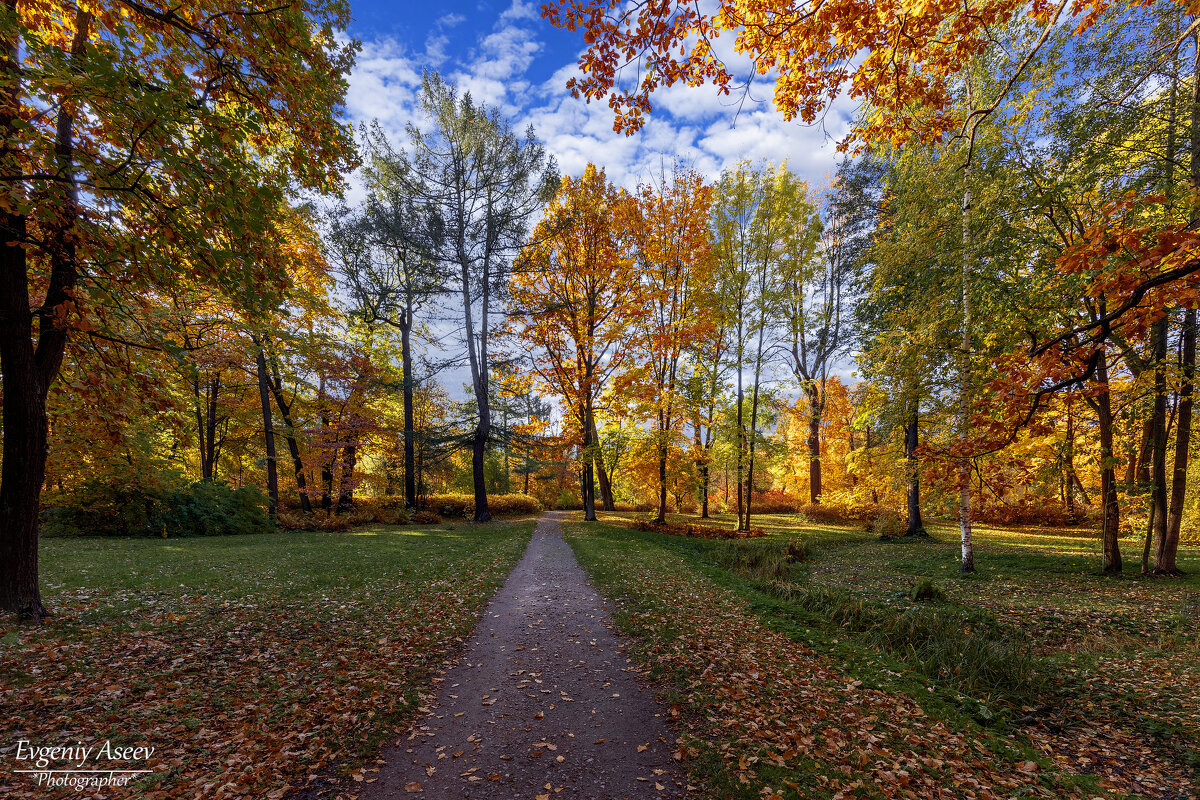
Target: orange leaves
(895, 56)
(575, 289)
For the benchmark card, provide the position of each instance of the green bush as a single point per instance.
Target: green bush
(203, 508)
(568, 500)
(763, 561)
(927, 589)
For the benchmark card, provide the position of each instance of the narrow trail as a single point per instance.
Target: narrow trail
(542, 701)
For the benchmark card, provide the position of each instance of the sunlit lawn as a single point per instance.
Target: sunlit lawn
(291, 655)
(1121, 652)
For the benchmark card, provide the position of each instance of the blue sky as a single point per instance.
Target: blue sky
(507, 56)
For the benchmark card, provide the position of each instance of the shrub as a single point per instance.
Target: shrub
(513, 504)
(462, 506)
(203, 508)
(837, 511)
(452, 506)
(888, 525)
(694, 530)
(1036, 511)
(568, 501)
(927, 589)
(774, 502)
(765, 562)
(212, 508)
(426, 518)
(796, 551)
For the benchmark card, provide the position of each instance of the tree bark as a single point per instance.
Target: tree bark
(916, 526)
(816, 409)
(1165, 558)
(662, 479)
(285, 413)
(269, 436)
(1069, 467)
(606, 492)
(588, 482)
(29, 371)
(1159, 419)
(967, 563)
(1110, 527)
(410, 457)
(346, 488)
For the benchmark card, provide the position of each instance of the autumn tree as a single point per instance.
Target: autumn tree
(387, 253)
(671, 244)
(485, 183)
(814, 262)
(132, 130)
(755, 237)
(575, 297)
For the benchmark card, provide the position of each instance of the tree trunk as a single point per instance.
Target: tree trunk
(285, 413)
(1068, 472)
(964, 471)
(207, 419)
(1164, 561)
(327, 470)
(587, 483)
(741, 507)
(1165, 557)
(269, 436)
(410, 458)
(816, 409)
(346, 489)
(27, 371)
(606, 492)
(1159, 419)
(662, 480)
(1110, 527)
(916, 526)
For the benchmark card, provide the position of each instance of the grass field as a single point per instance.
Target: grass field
(1035, 669)
(251, 663)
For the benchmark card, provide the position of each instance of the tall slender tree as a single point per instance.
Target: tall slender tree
(486, 184)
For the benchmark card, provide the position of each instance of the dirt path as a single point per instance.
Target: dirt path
(542, 702)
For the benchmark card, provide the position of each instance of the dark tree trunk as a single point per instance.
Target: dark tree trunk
(478, 450)
(24, 466)
(1164, 560)
(269, 436)
(410, 458)
(814, 443)
(207, 421)
(346, 489)
(916, 526)
(1110, 527)
(1169, 545)
(662, 481)
(28, 371)
(327, 472)
(285, 413)
(1141, 475)
(587, 482)
(606, 492)
(704, 490)
(1158, 476)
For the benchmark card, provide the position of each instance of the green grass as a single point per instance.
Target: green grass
(1036, 631)
(301, 651)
